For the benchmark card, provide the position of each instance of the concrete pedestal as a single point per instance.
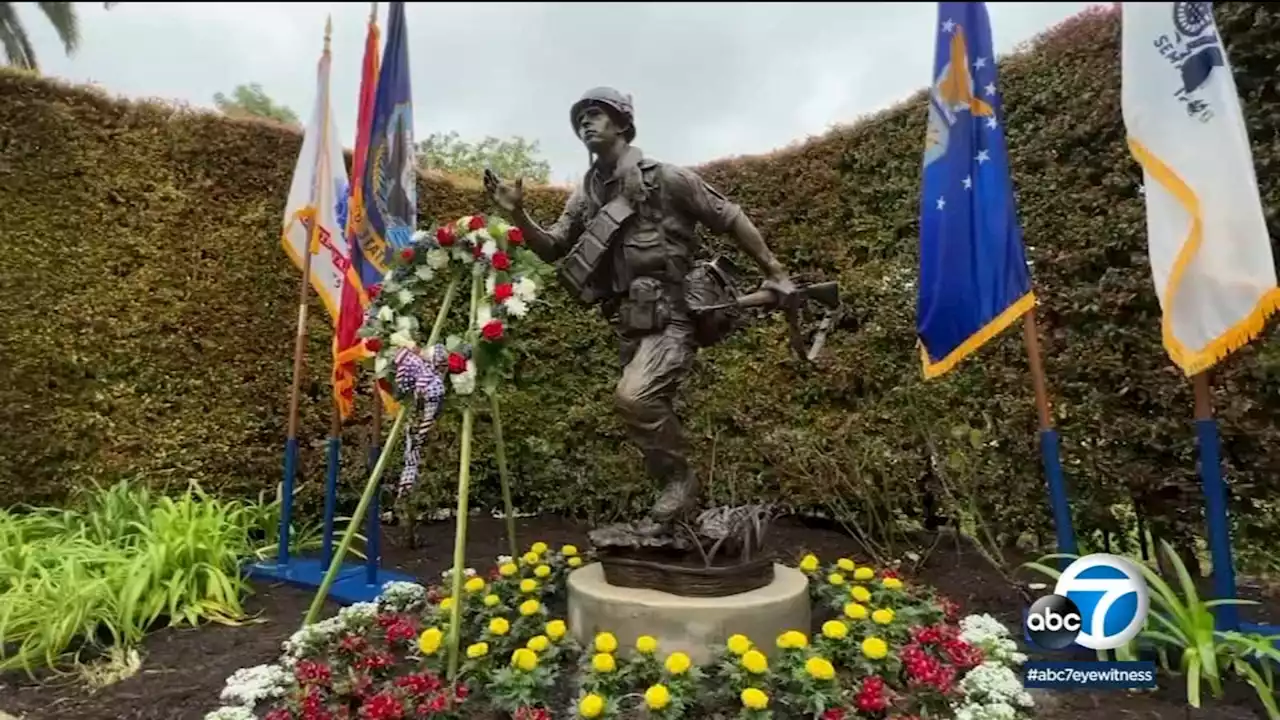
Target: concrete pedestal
(694, 625)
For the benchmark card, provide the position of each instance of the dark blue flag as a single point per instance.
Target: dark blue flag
(390, 187)
(974, 280)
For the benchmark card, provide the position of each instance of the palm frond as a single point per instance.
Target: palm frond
(62, 15)
(17, 46)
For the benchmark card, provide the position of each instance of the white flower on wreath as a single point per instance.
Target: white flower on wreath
(526, 290)
(516, 307)
(462, 254)
(231, 712)
(402, 338)
(489, 248)
(484, 313)
(424, 272)
(250, 686)
(386, 314)
(437, 258)
(404, 297)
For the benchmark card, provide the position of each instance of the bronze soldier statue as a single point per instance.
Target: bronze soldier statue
(626, 240)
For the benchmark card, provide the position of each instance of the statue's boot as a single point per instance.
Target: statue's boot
(678, 499)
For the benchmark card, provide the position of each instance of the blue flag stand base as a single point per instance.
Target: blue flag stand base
(355, 582)
(352, 584)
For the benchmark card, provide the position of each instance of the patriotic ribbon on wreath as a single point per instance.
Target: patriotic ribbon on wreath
(422, 378)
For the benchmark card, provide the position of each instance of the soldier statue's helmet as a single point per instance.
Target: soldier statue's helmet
(613, 102)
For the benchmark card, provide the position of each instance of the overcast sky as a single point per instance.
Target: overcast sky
(708, 80)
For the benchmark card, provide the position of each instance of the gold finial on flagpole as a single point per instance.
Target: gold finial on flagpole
(328, 31)
(373, 12)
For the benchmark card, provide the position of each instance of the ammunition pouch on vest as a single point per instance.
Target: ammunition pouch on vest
(579, 267)
(647, 308)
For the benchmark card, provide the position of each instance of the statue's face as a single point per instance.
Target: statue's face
(597, 129)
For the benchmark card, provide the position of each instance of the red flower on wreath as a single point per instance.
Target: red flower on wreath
(406, 254)
(501, 261)
(502, 291)
(492, 330)
(457, 363)
(445, 236)
(515, 236)
(384, 385)
(373, 344)
(477, 251)
(374, 290)
(477, 222)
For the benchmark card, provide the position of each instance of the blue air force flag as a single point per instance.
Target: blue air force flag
(390, 187)
(974, 280)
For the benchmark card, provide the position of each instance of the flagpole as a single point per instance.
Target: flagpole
(373, 528)
(1215, 499)
(300, 341)
(1050, 450)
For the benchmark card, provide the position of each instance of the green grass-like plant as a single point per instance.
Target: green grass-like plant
(79, 580)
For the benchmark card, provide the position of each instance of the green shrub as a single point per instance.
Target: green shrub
(150, 309)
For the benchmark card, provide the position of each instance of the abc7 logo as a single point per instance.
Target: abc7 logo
(1112, 608)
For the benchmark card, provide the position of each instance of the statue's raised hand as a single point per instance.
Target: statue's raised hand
(510, 199)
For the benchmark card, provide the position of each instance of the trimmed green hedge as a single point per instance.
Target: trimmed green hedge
(149, 310)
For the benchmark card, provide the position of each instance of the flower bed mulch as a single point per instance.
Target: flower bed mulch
(184, 671)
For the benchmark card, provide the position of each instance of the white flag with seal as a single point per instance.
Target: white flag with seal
(320, 187)
(1207, 235)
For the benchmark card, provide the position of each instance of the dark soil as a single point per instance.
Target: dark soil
(184, 670)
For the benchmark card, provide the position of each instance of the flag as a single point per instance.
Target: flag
(319, 192)
(1207, 235)
(974, 280)
(348, 348)
(388, 187)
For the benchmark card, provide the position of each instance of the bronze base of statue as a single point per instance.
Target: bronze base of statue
(719, 554)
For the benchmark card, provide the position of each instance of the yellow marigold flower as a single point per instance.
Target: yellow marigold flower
(541, 571)
(875, 648)
(657, 697)
(575, 561)
(754, 699)
(891, 583)
(569, 550)
(835, 579)
(499, 626)
(446, 604)
(646, 644)
(474, 585)
(859, 593)
(524, 659)
(603, 663)
(538, 643)
(538, 548)
(528, 586)
(883, 616)
(508, 569)
(591, 706)
(863, 573)
(492, 600)
(678, 663)
(819, 668)
(477, 650)
(606, 643)
(809, 563)
(530, 607)
(755, 662)
(854, 611)
(845, 565)
(835, 629)
(531, 558)
(793, 640)
(429, 641)
(556, 629)
(738, 644)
